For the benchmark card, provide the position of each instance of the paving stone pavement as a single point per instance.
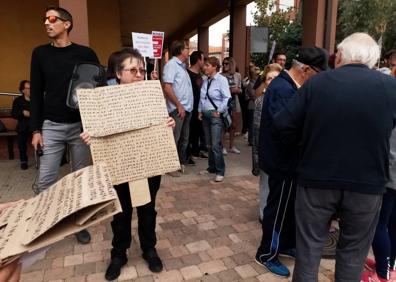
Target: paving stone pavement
(206, 231)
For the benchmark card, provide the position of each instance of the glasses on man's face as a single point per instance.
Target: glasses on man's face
(134, 71)
(52, 19)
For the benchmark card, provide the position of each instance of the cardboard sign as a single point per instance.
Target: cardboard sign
(158, 43)
(143, 43)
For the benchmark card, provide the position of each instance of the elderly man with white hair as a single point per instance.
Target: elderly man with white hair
(342, 120)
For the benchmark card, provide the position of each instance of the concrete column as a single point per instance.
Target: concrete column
(238, 35)
(79, 11)
(314, 13)
(203, 40)
(331, 25)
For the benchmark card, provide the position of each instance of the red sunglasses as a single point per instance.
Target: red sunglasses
(53, 19)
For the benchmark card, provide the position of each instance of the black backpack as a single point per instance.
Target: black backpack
(85, 75)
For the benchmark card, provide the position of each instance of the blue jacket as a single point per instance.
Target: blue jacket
(276, 158)
(342, 120)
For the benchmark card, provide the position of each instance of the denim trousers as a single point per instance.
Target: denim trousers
(55, 137)
(213, 127)
(181, 133)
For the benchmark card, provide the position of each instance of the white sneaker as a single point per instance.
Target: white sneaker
(246, 136)
(225, 151)
(219, 178)
(182, 168)
(235, 150)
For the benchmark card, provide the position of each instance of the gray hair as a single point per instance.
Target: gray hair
(359, 48)
(297, 64)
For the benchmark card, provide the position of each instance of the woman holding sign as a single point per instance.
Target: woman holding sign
(129, 68)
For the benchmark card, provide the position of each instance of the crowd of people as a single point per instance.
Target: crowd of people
(322, 142)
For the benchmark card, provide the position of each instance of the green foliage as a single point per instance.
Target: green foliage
(287, 34)
(375, 17)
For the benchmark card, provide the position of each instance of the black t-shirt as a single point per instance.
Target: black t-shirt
(50, 74)
(196, 82)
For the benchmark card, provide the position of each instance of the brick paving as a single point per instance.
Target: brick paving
(206, 231)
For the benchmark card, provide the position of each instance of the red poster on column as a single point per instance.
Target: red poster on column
(158, 42)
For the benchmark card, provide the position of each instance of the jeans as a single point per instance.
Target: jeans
(181, 134)
(384, 243)
(213, 127)
(146, 214)
(358, 218)
(55, 137)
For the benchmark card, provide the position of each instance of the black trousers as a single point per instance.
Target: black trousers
(358, 219)
(197, 136)
(278, 219)
(22, 138)
(121, 224)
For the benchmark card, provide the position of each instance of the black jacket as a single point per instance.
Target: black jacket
(19, 105)
(343, 121)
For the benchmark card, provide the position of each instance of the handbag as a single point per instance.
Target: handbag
(85, 76)
(226, 118)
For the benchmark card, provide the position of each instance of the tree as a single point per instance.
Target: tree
(376, 17)
(286, 33)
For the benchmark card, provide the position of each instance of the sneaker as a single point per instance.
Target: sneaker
(203, 155)
(219, 178)
(225, 151)
(174, 173)
(234, 150)
(182, 168)
(369, 264)
(246, 136)
(191, 162)
(24, 166)
(83, 237)
(369, 276)
(290, 253)
(274, 266)
(114, 268)
(153, 260)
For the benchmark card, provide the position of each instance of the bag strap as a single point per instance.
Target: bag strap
(207, 94)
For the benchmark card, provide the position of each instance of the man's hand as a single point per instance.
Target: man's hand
(86, 138)
(200, 116)
(37, 141)
(10, 272)
(170, 122)
(26, 113)
(182, 112)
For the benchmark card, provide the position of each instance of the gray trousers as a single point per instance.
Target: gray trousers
(181, 133)
(55, 137)
(358, 219)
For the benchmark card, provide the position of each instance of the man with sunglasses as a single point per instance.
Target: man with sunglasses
(54, 124)
(279, 161)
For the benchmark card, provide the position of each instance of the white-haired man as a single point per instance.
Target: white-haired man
(342, 120)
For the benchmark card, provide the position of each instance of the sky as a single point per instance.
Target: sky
(216, 30)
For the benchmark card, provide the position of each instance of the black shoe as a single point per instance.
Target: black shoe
(114, 268)
(153, 260)
(191, 162)
(83, 237)
(24, 166)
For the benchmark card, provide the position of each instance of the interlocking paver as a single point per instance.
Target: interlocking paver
(205, 232)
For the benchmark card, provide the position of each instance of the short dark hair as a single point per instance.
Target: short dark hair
(110, 72)
(64, 14)
(214, 61)
(177, 47)
(125, 54)
(195, 56)
(280, 53)
(22, 85)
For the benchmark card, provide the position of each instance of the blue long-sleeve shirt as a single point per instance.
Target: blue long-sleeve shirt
(219, 92)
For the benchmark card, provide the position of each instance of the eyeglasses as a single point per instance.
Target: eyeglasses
(134, 71)
(53, 19)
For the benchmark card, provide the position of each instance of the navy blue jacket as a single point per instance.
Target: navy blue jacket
(276, 158)
(342, 120)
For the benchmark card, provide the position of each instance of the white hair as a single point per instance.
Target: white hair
(359, 47)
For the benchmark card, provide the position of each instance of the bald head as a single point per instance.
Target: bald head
(358, 48)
